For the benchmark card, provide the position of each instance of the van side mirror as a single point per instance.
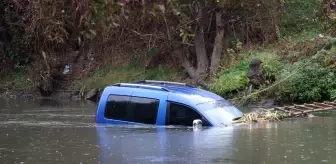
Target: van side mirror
(197, 123)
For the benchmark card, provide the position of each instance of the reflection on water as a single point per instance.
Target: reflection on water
(65, 132)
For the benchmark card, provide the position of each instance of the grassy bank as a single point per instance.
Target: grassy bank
(300, 62)
(303, 67)
(16, 81)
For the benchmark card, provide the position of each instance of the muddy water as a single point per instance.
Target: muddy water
(53, 132)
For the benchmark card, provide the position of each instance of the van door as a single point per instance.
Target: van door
(149, 106)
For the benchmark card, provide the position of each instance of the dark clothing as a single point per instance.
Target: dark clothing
(255, 79)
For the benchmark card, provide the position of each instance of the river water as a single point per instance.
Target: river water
(45, 131)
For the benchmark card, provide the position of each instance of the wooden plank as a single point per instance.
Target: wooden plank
(323, 104)
(330, 103)
(303, 107)
(315, 110)
(313, 106)
(293, 108)
(281, 109)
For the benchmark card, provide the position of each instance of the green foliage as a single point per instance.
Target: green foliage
(302, 36)
(18, 53)
(234, 78)
(16, 50)
(229, 82)
(300, 15)
(17, 81)
(312, 83)
(333, 94)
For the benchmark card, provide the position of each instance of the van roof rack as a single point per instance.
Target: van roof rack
(141, 86)
(163, 83)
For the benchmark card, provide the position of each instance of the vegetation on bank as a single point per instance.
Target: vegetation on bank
(99, 38)
(230, 82)
(306, 77)
(16, 81)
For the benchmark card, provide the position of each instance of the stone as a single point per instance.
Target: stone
(92, 94)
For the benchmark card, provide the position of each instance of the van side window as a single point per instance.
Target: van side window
(182, 115)
(117, 107)
(132, 109)
(145, 110)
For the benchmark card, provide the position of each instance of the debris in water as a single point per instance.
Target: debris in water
(262, 115)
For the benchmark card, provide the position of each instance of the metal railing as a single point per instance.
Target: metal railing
(141, 86)
(308, 108)
(163, 83)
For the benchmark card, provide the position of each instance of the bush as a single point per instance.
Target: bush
(234, 79)
(300, 15)
(313, 79)
(312, 83)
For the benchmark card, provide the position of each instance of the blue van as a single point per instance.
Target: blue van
(163, 103)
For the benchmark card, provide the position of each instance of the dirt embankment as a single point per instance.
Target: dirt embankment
(48, 76)
(86, 64)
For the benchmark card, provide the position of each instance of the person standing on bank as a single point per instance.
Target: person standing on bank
(255, 76)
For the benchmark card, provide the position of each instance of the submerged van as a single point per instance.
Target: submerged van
(163, 103)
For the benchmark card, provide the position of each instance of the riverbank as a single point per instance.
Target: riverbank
(303, 67)
(98, 46)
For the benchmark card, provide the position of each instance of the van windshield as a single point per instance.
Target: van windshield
(220, 111)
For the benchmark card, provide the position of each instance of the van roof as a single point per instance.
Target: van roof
(189, 92)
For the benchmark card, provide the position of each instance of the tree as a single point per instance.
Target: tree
(253, 20)
(207, 61)
(197, 31)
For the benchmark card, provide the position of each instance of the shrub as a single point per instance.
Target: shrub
(234, 79)
(312, 79)
(300, 15)
(312, 83)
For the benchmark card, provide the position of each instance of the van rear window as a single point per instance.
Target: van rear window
(132, 109)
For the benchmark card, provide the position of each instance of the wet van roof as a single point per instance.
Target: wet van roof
(195, 95)
(188, 92)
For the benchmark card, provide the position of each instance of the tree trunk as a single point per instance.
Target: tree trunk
(218, 46)
(202, 59)
(186, 64)
(201, 72)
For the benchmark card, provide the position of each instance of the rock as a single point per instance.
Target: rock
(92, 94)
(46, 86)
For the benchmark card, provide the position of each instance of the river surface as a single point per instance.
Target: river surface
(51, 132)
